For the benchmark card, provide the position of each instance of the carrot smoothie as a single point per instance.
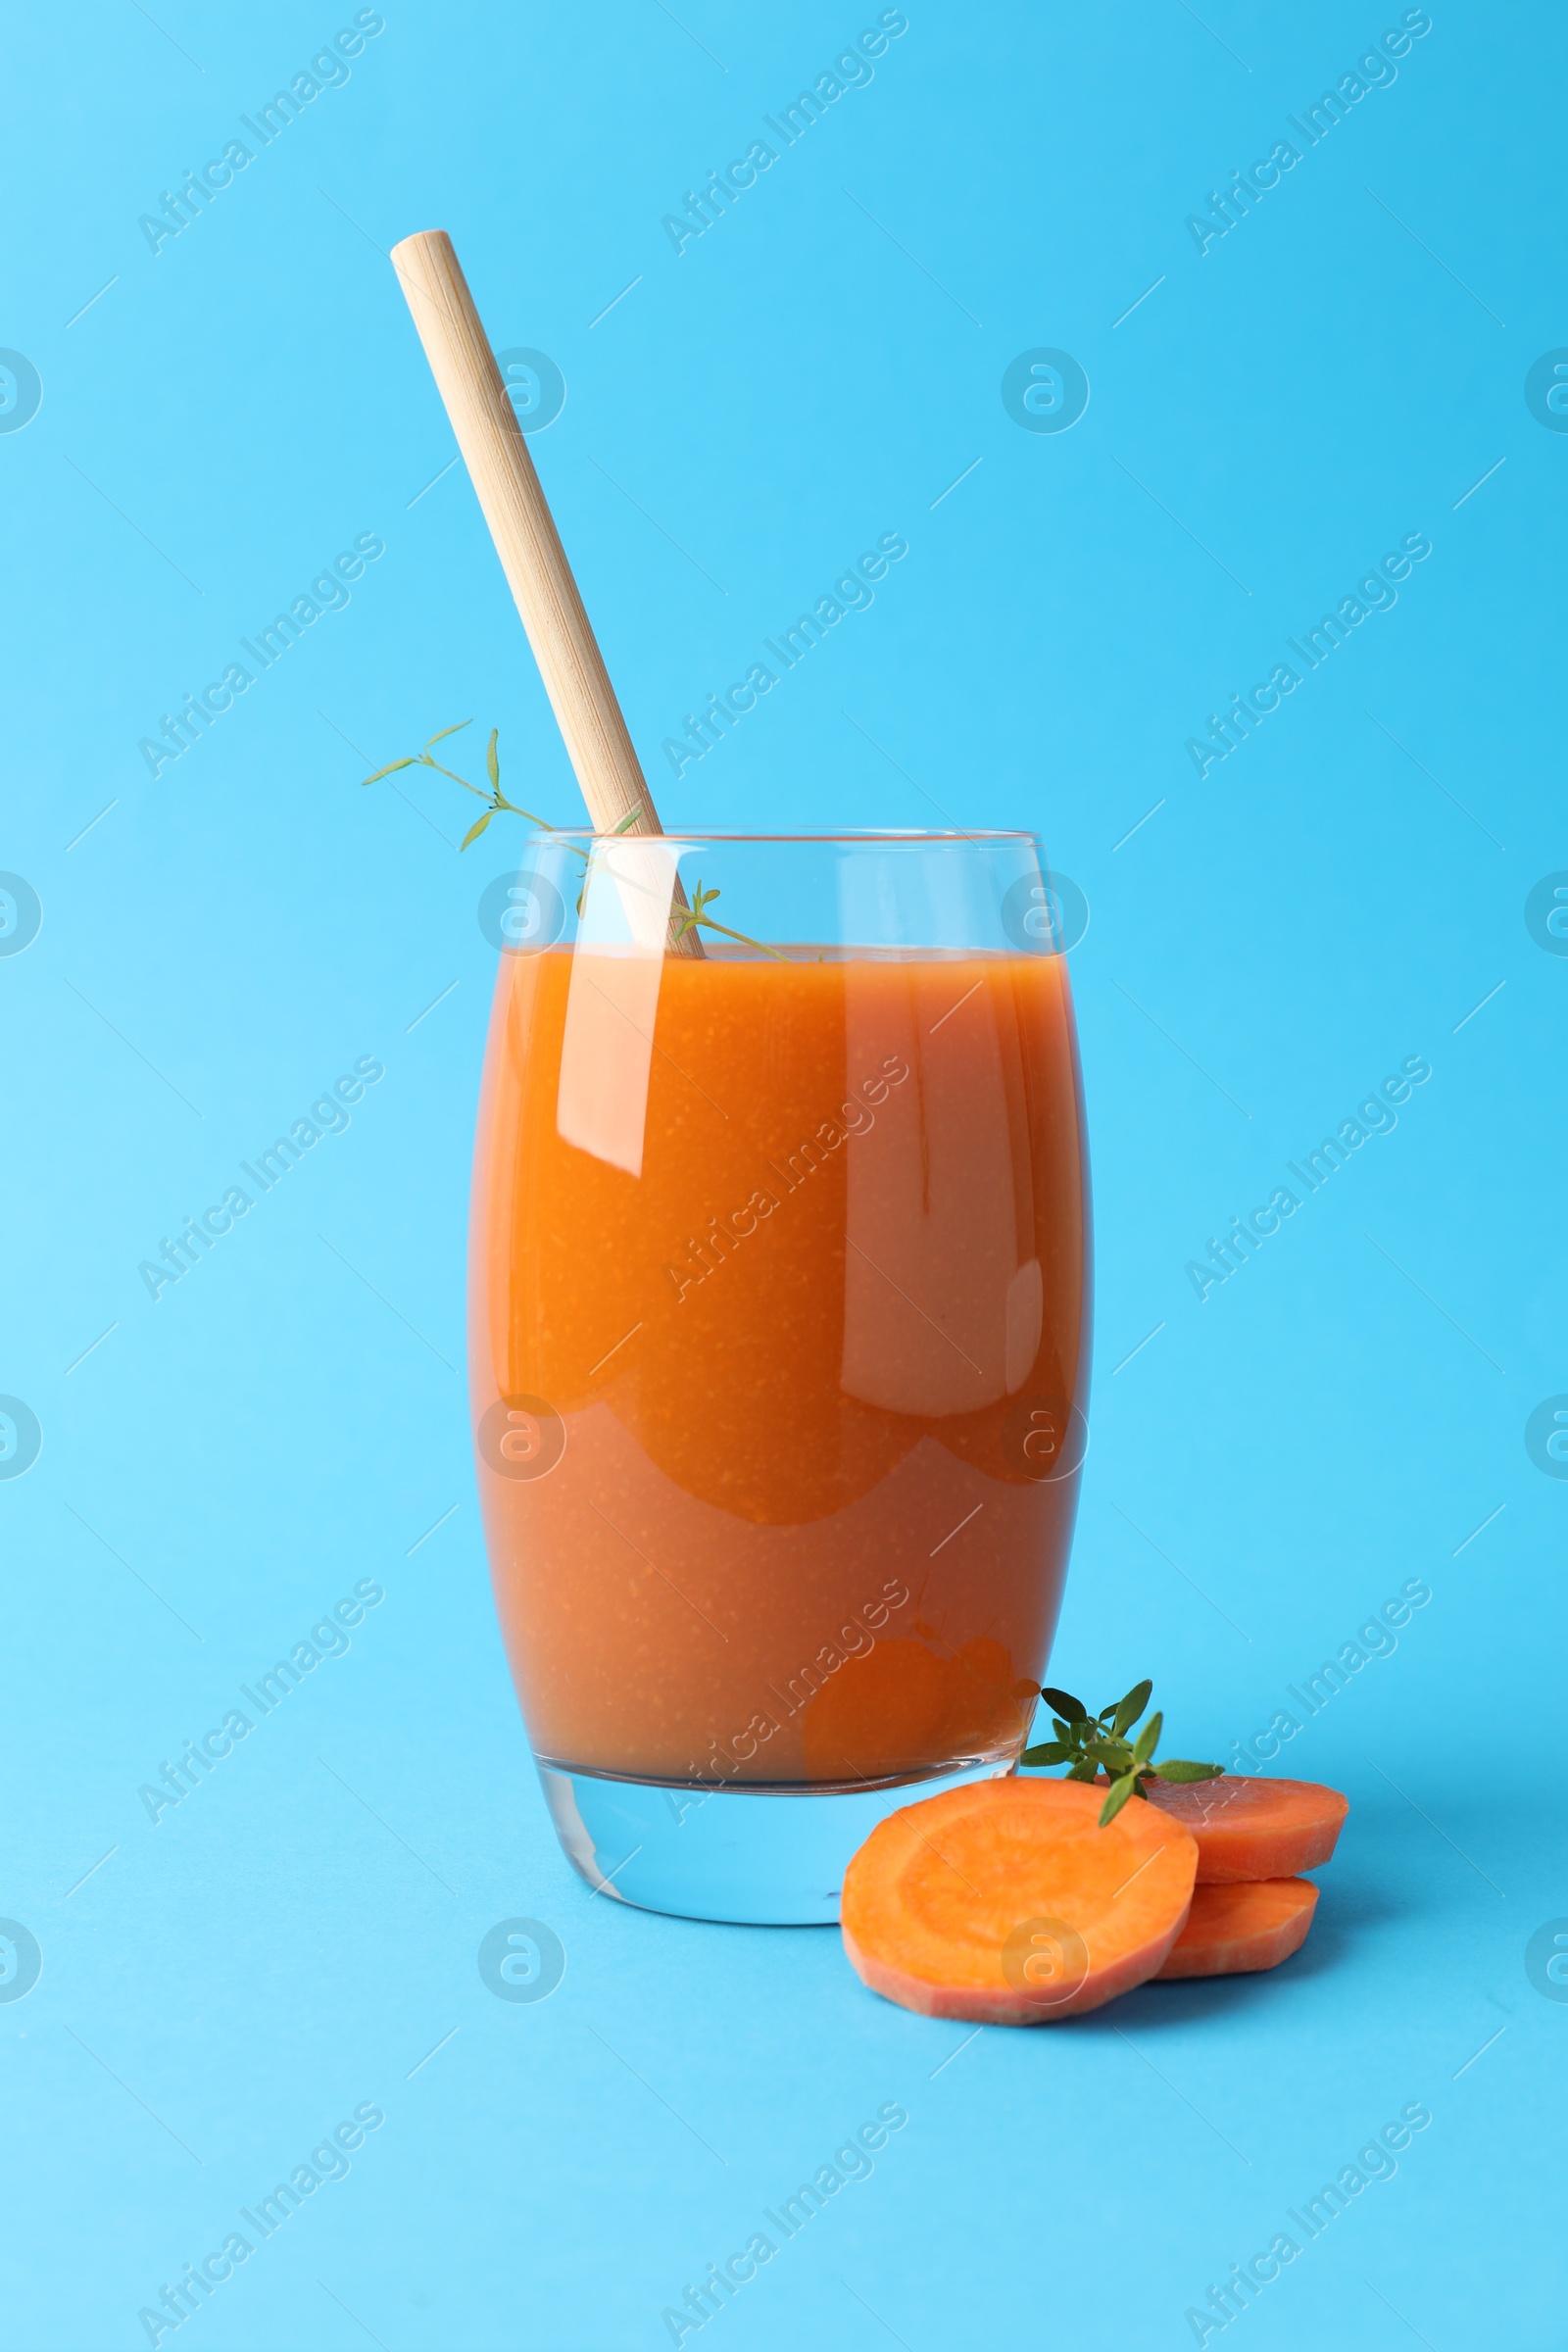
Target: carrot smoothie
(778, 1350)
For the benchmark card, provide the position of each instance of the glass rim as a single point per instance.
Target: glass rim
(857, 836)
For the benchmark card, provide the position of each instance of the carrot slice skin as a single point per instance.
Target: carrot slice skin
(1249, 1828)
(1004, 1903)
(1233, 1930)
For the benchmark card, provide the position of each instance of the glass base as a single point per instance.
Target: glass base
(757, 1857)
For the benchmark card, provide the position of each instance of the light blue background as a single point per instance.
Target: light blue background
(294, 1939)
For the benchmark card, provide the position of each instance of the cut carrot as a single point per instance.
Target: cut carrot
(1249, 1829)
(1232, 1930)
(1004, 1902)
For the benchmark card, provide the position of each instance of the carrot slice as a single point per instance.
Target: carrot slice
(1249, 1829)
(1232, 1930)
(1006, 1903)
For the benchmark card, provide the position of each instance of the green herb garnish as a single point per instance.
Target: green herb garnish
(683, 918)
(694, 914)
(499, 803)
(1092, 1745)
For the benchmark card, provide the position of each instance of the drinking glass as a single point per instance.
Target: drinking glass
(779, 1352)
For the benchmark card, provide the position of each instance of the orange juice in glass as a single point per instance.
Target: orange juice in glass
(779, 1340)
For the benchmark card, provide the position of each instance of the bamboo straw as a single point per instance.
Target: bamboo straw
(526, 540)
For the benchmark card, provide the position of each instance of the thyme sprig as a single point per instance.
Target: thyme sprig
(1092, 1745)
(499, 805)
(696, 913)
(682, 919)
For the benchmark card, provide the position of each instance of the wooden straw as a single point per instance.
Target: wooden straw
(526, 540)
